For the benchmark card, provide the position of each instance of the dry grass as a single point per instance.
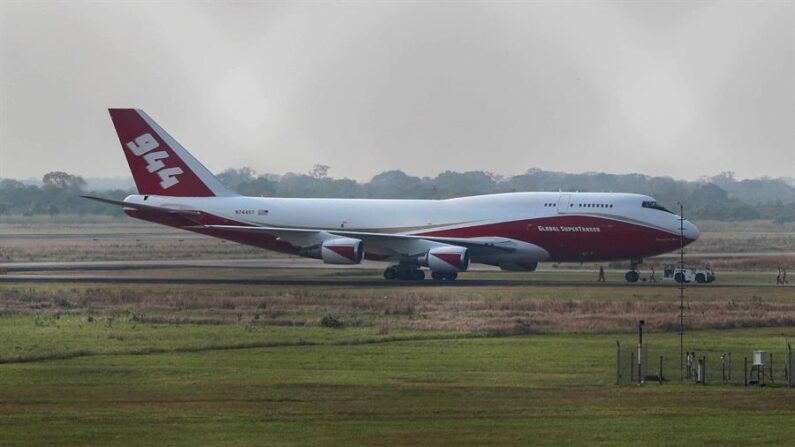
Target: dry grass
(750, 263)
(138, 248)
(511, 310)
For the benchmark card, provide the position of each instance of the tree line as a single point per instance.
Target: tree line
(721, 197)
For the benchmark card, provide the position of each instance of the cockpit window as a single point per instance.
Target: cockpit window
(655, 205)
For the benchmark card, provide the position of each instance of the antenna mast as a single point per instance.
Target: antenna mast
(681, 293)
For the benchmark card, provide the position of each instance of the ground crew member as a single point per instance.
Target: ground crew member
(601, 274)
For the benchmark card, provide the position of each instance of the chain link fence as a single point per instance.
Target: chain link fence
(649, 364)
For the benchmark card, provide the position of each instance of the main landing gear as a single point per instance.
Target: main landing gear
(633, 275)
(404, 272)
(411, 272)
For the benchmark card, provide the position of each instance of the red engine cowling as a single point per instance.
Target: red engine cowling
(447, 259)
(342, 251)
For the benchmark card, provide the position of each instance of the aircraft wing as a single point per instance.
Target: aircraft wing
(399, 244)
(385, 244)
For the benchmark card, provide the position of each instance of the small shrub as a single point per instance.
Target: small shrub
(330, 321)
(62, 302)
(228, 304)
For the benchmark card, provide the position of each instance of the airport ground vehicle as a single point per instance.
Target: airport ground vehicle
(514, 231)
(688, 274)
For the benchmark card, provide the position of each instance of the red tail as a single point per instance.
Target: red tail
(160, 165)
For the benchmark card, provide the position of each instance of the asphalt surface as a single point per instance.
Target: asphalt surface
(101, 272)
(373, 282)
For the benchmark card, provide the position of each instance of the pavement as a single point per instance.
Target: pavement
(105, 272)
(371, 282)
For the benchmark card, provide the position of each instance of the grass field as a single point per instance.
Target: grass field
(530, 390)
(297, 365)
(254, 365)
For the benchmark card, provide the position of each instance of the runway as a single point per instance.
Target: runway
(373, 282)
(366, 274)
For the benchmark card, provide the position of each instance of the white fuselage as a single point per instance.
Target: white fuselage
(552, 221)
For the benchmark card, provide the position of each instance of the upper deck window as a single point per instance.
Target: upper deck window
(655, 205)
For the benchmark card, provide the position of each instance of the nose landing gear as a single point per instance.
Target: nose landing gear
(633, 275)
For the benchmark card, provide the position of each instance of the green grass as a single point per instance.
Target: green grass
(193, 365)
(30, 338)
(531, 390)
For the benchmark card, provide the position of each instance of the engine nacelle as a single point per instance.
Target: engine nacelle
(519, 266)
(342, 251)
(447, 259)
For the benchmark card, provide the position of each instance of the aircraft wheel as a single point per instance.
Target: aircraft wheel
(632, 276)
(452, 276)
(418, 275)
(437, 276)
(390, 273)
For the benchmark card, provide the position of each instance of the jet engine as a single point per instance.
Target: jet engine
(342, 251)
(447, 259)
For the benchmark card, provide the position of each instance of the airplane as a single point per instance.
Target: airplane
(513, 231)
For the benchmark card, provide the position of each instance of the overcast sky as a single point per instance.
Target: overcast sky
(683, 89)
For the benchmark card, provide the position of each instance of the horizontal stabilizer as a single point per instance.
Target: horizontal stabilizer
(191, 214)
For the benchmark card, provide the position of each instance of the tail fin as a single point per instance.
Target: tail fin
(160, 165)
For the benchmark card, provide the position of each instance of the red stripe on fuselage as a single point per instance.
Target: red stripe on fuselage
(568, 238)
(575, 238)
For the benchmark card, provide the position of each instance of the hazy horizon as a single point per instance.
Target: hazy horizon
(129, 178)
(682, 90)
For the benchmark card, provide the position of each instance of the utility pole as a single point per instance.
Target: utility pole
(681, 293)
(640, 350)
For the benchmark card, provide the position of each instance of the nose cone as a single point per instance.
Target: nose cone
(691, 232)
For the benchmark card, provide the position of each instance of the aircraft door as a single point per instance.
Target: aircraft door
(564, 204)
